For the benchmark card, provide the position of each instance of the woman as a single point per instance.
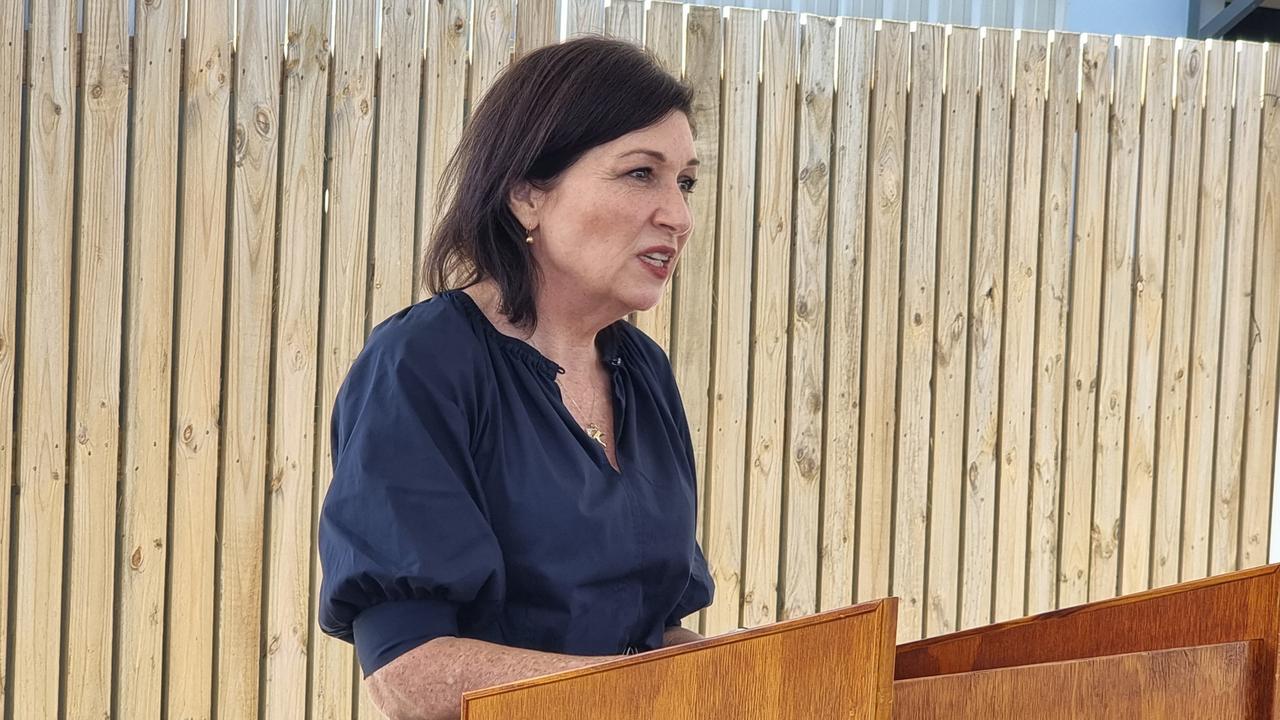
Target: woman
(513, 488)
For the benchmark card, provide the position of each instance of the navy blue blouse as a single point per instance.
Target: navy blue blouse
(467, 501)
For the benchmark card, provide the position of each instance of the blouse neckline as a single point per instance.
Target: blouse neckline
(606, 339)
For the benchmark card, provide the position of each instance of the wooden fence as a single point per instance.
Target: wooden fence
(982, 319)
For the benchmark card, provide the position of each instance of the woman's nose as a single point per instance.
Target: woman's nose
(674, 213)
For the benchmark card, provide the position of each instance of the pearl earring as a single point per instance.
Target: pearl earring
(528, 240)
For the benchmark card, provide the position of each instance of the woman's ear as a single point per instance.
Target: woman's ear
(524, 201)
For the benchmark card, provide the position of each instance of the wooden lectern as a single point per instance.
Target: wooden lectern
(836, 664)
(1204, 649)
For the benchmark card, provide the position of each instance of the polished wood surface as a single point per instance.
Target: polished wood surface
(1229, 608)
(1204, 682)
(836, 664)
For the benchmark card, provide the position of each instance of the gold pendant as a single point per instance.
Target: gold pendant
(595, 433)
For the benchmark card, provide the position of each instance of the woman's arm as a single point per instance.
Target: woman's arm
(678, 636)
(427, 682)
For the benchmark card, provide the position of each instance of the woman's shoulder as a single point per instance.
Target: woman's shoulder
(637, 348)
(430, 340)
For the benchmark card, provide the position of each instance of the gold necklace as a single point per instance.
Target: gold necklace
(593, 430)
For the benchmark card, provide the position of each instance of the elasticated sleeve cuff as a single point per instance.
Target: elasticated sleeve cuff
(390, 629)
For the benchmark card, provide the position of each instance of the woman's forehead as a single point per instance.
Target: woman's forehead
(664, 143)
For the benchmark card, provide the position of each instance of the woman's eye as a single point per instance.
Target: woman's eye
(686, 183)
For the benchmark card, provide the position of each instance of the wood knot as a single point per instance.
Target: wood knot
(262, 121)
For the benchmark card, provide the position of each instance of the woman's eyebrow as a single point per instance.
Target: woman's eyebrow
(660, 157)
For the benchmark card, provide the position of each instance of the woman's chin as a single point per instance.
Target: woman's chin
(644, 300)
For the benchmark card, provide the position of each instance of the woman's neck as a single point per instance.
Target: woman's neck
(566, 330)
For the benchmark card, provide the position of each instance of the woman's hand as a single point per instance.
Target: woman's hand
(427, 683)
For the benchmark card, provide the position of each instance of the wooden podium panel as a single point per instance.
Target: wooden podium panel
(1205, 682)
(837, 664)
(1240, 606)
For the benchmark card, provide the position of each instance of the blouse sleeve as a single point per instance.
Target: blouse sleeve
(404, 544)
(697, 594)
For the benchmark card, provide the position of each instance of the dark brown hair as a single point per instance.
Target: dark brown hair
(541, 114)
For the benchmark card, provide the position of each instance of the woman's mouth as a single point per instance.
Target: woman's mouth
(656, 259)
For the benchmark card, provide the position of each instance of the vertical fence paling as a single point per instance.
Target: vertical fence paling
(295, 357)
(691, 334)
(949, 324)
(732, 319)
(919, 286)
(96, 387)
(880, 351)
(1017, 381)
(837, 561)
(1148, 313)
(1086, 268)
(1242, 214)
(1207, 323)
(251, 266)
(197, 436)
(804, 469)
(1260, 440)
(986, 299)
(11, 136)
(951, 334)
(1088, 254)
(1179, 280)
(1051, 323)
(1118, 259)
(45, 325)
(769, 295)
(344, 300)
(148, 344)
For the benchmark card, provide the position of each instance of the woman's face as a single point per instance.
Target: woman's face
(609, 233)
